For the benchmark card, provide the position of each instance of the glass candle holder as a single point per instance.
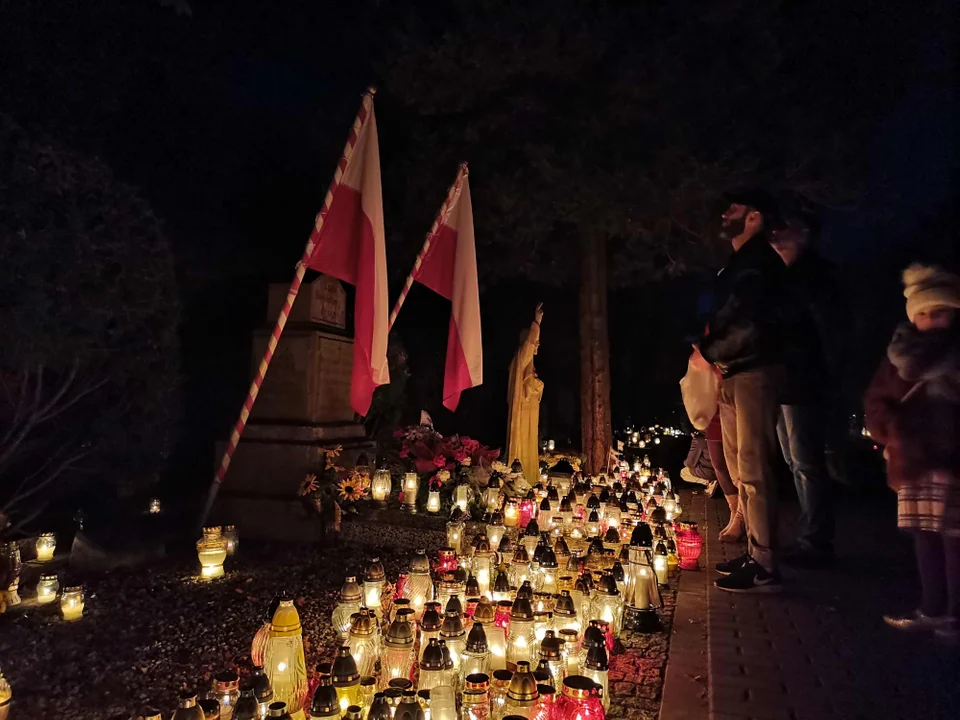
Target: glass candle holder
(475, 701)
(476, 656)
(461, 496)
(351, 597)
(374, 581)
(364, 641)
(579, 700)
(499, 684)
(526, 512)
(570, 651)
(432, 667)
(551, 658)
(226, 691)
(71, 603)
(346, 680)
(46, 544)
(454, 635)
(522, 694)
(211, 551)
(154, 506)
(433, 501)
(491, 495)
(284, 663)
(381, 485)
(455, 535)
(418, 588)
(607, 603)
(411, 484)
(232, 537)
(47, 589)
(596, 668)
(660, 563)
(521, 635)
(396, 659)
(511, 513)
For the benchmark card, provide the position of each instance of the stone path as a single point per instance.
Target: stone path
(820, 650)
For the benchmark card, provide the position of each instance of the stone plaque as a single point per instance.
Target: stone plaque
(324, 301)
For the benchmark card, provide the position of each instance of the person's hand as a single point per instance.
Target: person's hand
(538, 313)
(697, 360)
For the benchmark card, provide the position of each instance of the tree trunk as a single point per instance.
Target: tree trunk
(597, 434)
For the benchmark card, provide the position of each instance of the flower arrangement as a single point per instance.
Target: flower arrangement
(334, 489)
(442, 461)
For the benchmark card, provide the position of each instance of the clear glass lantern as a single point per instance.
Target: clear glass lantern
(432, 667)
(546, 580)
(607, 603)
(462, 494)
(455, 535)
(381, 485)
(660, 563)
(232, 537)
(430, 624)
(47, 589)
(284, 663)
(522, 694)
(211, 551)
(351, 598)
(596, 668)
(545, 516)
(551, 658)
(565, 615)
(346, 680)
(454, 635)
(570, 650)
(374, 581)
(325, 704)
(226, 691)
(475, 701)
(433, 501)
(495, 635)
(499, 684)
(46, 544)
(418, 588)
(495, 530)
(519, 571)
(364, 641)
(396, 660)
(511, 513)
(71, 603)
(476, 655)
(522, 634)
(411, 485)
(491, 495)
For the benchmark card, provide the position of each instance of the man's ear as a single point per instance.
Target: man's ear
(754, 219)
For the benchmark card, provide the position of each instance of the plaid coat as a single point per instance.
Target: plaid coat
(922, 439)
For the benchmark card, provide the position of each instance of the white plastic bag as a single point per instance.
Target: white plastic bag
(699, 389)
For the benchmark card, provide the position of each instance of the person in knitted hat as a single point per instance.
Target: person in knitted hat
(913, 409)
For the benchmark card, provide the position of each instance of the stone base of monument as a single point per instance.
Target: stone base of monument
(261, 492)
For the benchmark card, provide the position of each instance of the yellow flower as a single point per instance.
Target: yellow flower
(351, 488)
(308, 485)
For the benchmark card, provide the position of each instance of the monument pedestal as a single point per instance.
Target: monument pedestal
(303, 407)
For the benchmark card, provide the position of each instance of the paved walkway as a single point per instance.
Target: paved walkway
(819, 651)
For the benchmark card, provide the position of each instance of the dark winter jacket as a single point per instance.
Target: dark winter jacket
(745, 330)
(815, 326)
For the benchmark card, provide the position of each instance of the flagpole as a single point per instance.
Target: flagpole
(452, 194)
(366, 108)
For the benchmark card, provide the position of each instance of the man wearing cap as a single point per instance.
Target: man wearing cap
(744, 343)
(814, 348)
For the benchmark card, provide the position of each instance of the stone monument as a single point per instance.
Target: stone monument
(303, 406)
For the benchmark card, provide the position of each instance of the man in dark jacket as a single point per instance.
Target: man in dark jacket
(744, 342)
(814, 347)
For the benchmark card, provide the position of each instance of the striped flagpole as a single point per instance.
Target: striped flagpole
(452, 195)
(365, 109)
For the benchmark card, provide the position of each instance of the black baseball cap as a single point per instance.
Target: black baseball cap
(758, 199)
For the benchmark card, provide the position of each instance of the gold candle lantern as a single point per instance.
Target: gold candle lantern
(211, 551)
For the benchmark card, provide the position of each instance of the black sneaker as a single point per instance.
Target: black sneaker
(731, 566)
(751, 578)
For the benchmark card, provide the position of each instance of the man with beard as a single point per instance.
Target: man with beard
(744, 342)
(814, 349)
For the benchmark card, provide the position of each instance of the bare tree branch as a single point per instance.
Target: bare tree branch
(61, 468)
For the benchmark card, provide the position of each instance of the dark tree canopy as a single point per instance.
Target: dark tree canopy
(89, 314)
(629, 119)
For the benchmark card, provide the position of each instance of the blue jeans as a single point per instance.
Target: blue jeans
(801, 430)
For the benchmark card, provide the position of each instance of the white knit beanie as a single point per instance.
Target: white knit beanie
(927, 287)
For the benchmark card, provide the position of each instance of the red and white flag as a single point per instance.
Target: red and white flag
(348, 243)
(448, 266)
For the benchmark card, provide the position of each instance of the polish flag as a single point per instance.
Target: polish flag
(449, 267)
(347, 243)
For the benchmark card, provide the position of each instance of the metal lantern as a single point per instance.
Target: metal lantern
(211, 551)
(46, 544)
(411, 484)
(396, 660)
(381, 485)
(284, 663)
(325, 704)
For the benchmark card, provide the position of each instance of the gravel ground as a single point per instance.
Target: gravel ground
(147, 633)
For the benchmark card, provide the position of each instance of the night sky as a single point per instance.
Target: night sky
(229, 121)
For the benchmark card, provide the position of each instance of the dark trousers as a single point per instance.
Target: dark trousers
(938, 562)
(802, 433)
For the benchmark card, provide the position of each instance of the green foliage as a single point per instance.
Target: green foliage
(628, 120)
(90, 313)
